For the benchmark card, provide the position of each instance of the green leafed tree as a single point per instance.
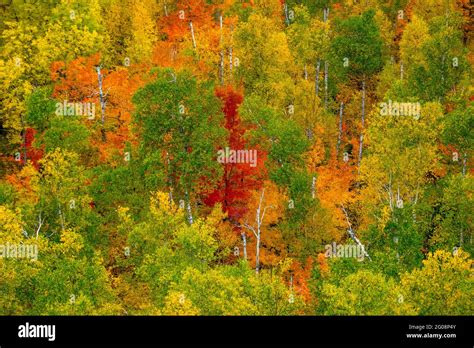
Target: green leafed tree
(189, 119)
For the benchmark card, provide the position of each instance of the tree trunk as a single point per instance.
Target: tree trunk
(318, 67)
(102, 105)
(257, 230)
(464, 161)
(230, 50)
(192, 34)
(40, 223)
(339, 137)
(353, 236)
(244, 242)
(443, 59)
(188, 208)
(325, 84)
(23, 139)
(257, 254)
(61, 217)
(325, 14)
(259, 220)
(325, 18)
(361, 139)
(390, 195)
(170, 180)
(221, 66)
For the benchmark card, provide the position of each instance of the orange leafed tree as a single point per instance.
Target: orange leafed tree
(78, 82)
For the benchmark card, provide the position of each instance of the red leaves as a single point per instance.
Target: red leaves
(239, 178)
(32, 153)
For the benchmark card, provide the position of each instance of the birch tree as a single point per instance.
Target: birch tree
(358, 42)
(256, 227)
(188, 115)
(265, 209)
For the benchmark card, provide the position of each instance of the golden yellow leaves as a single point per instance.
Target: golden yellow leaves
(10, 225)
(176, 303)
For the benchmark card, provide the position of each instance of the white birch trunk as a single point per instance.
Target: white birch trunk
(339, 137)
(325, 84)
(244, 242)
(102, 105)
(318, 67)
(188, 209)
(192, 34)
(361, 139)
(464, 162)
(353, 236)
(221, 66)
(230, 50)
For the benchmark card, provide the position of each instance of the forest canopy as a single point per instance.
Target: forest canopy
(236, 157)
